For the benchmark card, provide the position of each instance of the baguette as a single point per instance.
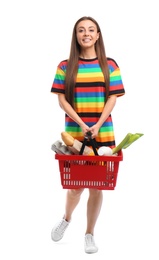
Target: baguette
(67, 138)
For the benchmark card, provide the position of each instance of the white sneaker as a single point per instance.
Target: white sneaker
(90, 246)
(59, 229)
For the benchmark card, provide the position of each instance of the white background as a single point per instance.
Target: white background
(35, 37)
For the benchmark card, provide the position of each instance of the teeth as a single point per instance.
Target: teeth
(86, 40)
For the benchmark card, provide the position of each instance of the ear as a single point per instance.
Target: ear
(98, 35)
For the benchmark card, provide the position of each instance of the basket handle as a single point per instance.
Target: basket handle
(92, 141)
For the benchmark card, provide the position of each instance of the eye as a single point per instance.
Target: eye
(80, 30)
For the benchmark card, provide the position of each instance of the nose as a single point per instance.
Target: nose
(86, 32)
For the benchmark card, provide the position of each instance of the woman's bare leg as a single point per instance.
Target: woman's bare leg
(72, 200)
(93, 209)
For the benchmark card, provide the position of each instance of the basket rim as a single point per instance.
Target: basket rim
(82, 157)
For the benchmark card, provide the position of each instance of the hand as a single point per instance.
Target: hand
(85, 129)
(94, 130)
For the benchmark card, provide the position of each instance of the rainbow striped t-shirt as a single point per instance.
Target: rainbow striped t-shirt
(90, 97)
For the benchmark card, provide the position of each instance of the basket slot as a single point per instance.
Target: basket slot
(67, 176)
(66, 166)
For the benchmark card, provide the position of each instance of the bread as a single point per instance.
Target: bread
(67, 138)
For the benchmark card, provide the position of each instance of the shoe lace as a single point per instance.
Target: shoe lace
(61, 227)
(90, 240)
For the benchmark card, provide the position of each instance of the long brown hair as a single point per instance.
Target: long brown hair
(72, 66)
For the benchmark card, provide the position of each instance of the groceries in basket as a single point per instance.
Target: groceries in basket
(60, 148)
(73, 146)
(70, 146)
(126, 142)
(105, 150)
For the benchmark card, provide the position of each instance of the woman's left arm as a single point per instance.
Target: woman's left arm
(106, 112)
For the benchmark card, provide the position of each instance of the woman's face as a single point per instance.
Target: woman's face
(86, 33)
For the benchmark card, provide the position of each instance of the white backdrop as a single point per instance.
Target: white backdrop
(35, 37)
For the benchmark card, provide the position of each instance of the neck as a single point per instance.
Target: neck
(88, 55)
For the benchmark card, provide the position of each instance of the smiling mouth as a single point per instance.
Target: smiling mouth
(86, 40)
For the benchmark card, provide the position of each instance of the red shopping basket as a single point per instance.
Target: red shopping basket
(85, 171)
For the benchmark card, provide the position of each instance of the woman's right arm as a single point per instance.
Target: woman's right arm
(71, 113)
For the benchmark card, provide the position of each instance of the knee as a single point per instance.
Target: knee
(75, 192)
(95, 192)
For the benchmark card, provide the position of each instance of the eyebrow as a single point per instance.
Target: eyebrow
(84, 27)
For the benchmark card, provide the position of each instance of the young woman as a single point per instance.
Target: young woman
(87, 86)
